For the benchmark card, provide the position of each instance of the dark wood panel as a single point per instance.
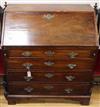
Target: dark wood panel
(50, 77)
(14, 63)
(52, 70)
(21, 88)
(51, 53)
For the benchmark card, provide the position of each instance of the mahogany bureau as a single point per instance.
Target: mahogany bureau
(49, 51)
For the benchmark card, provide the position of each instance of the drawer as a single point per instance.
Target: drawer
(51, 53)
(50, 77)
(14, 63)
(22, 88)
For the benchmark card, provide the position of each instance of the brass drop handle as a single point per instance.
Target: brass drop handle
(49, 75)
(49, 63)
(70, 78)
(72, 55)
(68, 90)
(49, 87)
(27, 65)
(29, 76)
(48, 16)
(71, 66)
(28, 89)
(27, 54)
(49, 53)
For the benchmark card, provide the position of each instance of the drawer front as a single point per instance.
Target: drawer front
(48, 89)
(23, 63)
(51, 53)
(50, 77)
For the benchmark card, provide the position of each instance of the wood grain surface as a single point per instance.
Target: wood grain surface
(95, 101)
(55, 28)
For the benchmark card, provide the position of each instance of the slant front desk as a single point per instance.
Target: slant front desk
(49, 51)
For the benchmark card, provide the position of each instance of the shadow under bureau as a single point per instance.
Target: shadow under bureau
(49, 51)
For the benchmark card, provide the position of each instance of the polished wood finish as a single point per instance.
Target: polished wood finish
(48, 89)
(58, 28)
(56, 52)
(46, 69)
(49, 51)
(17, 63)
(49, 7)
(95, 100)
(50, 77)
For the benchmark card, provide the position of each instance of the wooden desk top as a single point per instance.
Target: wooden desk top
(71, 25)
(49, 7)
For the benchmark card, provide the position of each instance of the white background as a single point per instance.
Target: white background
(92, 2)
